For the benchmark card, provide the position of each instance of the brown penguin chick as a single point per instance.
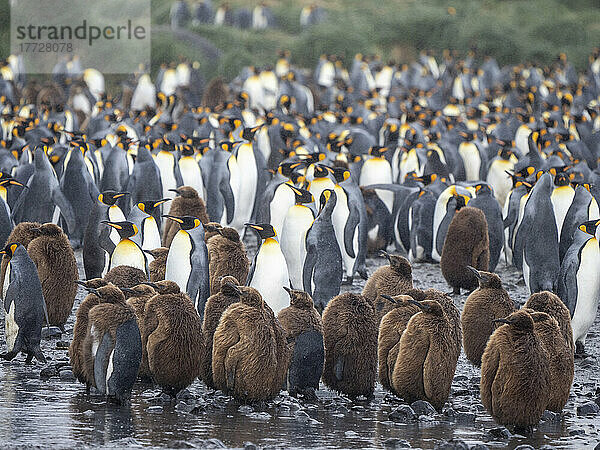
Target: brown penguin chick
(425, 364)
(22, 233)
(226, 256)
(216, 304)
(350, 338)
(187, 203)
(80, 370)
(561, 359)
(466, 244)
(174, 343)
(393, 279)
(158, 266)
(250, 355)
(212, 229)
(390, 330)
(515, 373)
(57, 269)
(490, 301)
(215, 94)
(125, 276)
(137, 297)
(165, 287)
(301, 315)
(552, 305)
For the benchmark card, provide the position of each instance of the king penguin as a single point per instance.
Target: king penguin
(187, 261)
(440, 214)
(191, 174)
(321, 180)
(562, 198)
(377, 170)
(269, 271)
(127, 252)
(142, 215)
(166, 161)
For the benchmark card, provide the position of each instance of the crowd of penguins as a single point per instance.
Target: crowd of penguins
(456, 161)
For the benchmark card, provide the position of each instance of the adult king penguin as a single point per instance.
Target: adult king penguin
(127, 252)
(142, 215)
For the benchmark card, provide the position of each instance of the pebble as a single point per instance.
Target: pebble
(89, 413)
(423, 408)
(213, 443)
(245, 409)
(66, 375)
(260, 416)
(250, 446)
(183, 407)
(465, 417)
(396, 443)
(155, 409)
(62, 345)
(550, 416)
(576, 432)
(452, 444)
(500, 433)
(351, 434)
(403, 414)
(588, 408)
(524, 447)
(48, 372)
(51, 332)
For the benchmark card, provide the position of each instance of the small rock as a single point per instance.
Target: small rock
(351, 434)
(245, 409)
(213, 443)
(250, 446)
(449, 412)
(452, 444)
(588, 408)
(48, 372)
(67, 375)
(458, 378)
(403, 414)
(51, 332)
(480, 447)
(183, 407)
(576, 432)
(460, 392)
(155, 409)
(550, 416)
(396, 443)
(184, 394)
(89, 413)
(260, 416)
(500, 433)
(423, 408)
(301, 416)
(475, 380)
(465, 417)
(524, 447)
(62, 345)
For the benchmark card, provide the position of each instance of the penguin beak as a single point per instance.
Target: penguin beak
(93, 291)
(120, 194)
(384, 254)
(213, 229)
(475, 272)
(387, 297)
(111, 224)
(148, 252)
(175, 190)
(173, 218)
(288, 290)
(419, 304)
(234, 288)
(501, 321)
(148, 283)
(160, 202)
(127, 291)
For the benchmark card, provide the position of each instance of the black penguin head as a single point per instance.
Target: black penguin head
(590, 226)
(483, 189)
(299, 299)
(185, 192)
(185, 222)
(264, 230)
(430, 307)
(520, 321)
(399, 264)
(328, 199)
(322, 171)
(248, 133)
(377, 151)
(427, 179)
(141, 290)
(149, 206)
(10, 249)
(561, 178)
(487, 280)
(505, 153)
(460, 201)
(340, 174)
(125, 229)
(287, 168)
(7, 180)
(109, 198)
(302, 195)
(228, 146)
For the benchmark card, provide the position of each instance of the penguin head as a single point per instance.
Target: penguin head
(398, 300)
(212, 229)
(299, 299)
(149, 206)
(340, 174)
(302, 195)
(322, 171)
(228, 146)
(109, 198)
(230, 233)
(399, 264)
(185, 192)
(429, 307)
(49, 229)
(10, 249)
(427, 179)
(229, 286)
(110, 294)
(164, 287)
(519, 321)
(94, 283)
(141, 290)
(248, 133)
(590, 227)
(377, 151)
(185, 222)
(287, 168)
(125, 229)
(251, 297)
(487, 280)
(541, 317)
(483, 189)
(561, 179)
(460, 201)
(264, 230)
(328, 200)
(505, 153)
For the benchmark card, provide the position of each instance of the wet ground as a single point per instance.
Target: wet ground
(43, 406)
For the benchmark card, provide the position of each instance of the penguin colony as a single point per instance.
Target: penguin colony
(458, 162)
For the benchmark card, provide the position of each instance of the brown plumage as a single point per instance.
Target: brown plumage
(57, 269)
(187, 203)
(125, 276)
(137, 297)
(350, 338)
(425, 364)
(157, 267)
(552, 305)
(466, 244)
(226, 256)
(173, 341)
(22, 233)
(211, 229)
(490, 301)
(390, 330)
(215, 94)
(515, 374)
(80, 370)
(301, 315)
(250, 354)
(216, 304)
(393, 279)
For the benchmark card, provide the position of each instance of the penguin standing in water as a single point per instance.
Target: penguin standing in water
(127, 252)
(485, 201)
(322, 272)
(24, 306)
(187, 261)
(579, 281)
(269, 271)
(142, 215)
(377, 170)
(296, 224)
(98, 240)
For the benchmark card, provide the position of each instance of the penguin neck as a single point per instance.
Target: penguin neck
(3, 193)
(270, 241)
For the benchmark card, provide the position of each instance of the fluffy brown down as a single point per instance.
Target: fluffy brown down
(561, 360)
(215, 94)
(425, 364)
(393, 279)
(350, 340)
(466, 244)
(137, 299)
(22, 233)
(552, 305)
(490, 301)
(158, 267)
(215, 305)
(390, 330)
(300, 316)
(57, 269)
(187, 203)
(250, 355)
(76, 357)
(125, 276)
(174, 346)
(515, 378)
(226, 256)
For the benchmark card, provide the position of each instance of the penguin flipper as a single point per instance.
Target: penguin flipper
(350, 229)
(309, 265)
(228, 198)
(66, 209)
(338, 368)
(101, 360)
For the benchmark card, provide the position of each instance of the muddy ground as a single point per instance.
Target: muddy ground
(43, 406)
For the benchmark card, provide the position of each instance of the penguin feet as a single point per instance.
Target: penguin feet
(309, 395)
(348, 281)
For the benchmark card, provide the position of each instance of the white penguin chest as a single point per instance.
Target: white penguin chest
(471, 159)
(283, 199)
(179, 263)
(561, 198)
(588, 289)
(271, 274)
(166, 162)
(378, 171)
(151, 234)
(190, 173)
